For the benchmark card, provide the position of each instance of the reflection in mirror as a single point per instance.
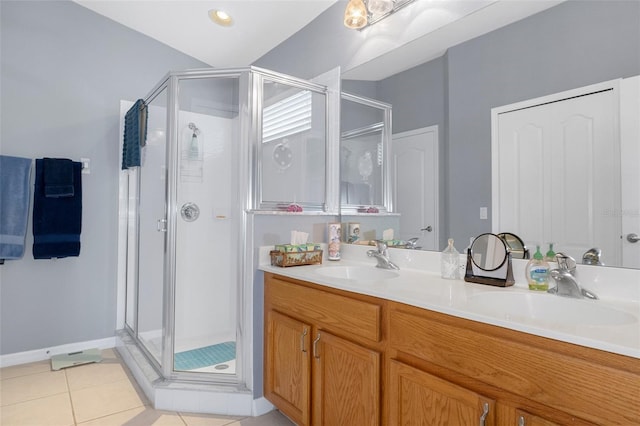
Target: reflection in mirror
(458, 90)
(363, 149)
(488, 252)
(515, 245)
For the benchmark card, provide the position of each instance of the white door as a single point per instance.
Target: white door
(557, 174)
(630, 168)
(415, 185)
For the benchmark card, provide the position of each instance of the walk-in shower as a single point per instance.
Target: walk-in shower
(186, 254)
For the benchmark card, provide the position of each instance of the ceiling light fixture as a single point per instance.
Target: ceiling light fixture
(355, 16)
(220, 17)
(360, 14)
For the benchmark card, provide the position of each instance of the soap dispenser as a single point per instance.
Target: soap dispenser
(449, 261)
(537, 272)
(551, 255)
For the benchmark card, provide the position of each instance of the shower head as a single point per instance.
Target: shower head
(194, 129)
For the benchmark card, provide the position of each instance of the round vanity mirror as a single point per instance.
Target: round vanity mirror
(515, 245)
(488, 252)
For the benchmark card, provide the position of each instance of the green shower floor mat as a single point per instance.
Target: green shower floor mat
(205, 357)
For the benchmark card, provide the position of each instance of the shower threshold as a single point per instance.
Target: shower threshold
(182, 395)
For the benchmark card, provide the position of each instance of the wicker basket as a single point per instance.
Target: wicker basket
(296, 258)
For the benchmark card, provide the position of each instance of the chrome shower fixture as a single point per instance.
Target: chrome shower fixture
(194, 129)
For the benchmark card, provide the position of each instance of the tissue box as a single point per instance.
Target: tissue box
(296, 258)
(293, 248)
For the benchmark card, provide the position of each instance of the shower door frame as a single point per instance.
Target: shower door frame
(250, 92)
(173, 155)
(164, 84)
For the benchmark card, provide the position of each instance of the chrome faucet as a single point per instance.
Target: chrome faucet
(566, 282)
(592, 257)
(382, 256)
(412, 243)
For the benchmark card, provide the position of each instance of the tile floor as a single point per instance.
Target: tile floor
(101, 394)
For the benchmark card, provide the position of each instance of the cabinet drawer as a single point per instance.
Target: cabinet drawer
(540, 370)
(330, 311)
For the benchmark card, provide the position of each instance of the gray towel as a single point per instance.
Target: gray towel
(15, 173)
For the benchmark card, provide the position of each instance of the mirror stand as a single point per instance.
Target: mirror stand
(489, 262)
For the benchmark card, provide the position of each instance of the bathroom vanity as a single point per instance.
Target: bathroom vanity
(356, 351)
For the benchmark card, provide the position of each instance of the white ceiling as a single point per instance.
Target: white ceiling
(422, 31)
(259, 25)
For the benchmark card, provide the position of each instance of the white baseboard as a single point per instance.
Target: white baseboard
(261, 406)
(46, 353)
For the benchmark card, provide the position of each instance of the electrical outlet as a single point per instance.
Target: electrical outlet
(483, 212)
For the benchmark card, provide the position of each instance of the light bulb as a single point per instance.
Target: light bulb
(355, 15)
(380, 7)
(220, 17)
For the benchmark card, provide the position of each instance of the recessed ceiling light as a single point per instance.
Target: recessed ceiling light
(220, 17)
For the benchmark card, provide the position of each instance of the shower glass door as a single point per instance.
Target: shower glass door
(208, 235)
(151, 224)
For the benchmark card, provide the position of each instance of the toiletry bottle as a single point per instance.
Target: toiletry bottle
(537, 272)
(335, 233)
(551, 255)
(449, 261)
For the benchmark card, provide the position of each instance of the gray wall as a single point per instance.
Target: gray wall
(573, 44)
(64, 70)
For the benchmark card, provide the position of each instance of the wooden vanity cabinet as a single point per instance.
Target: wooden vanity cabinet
(288, 365)
(338, 358)
(420, 398)
(533, 380)
(323, 353)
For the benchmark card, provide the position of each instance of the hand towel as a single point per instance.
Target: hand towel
(135, 134)
(15, 173)
(58, 177)
(57, 222)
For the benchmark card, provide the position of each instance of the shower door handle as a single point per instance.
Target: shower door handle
(162, 225)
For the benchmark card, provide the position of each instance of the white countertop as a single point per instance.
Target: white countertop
(418, 285)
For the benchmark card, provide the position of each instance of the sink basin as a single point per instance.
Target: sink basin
(356, 273)
(548, 309)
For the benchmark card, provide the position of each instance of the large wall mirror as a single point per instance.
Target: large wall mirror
(565, 47)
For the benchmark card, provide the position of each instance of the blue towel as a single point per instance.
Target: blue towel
(135, 134)
(15, 173)
(58, 177)
(57, 222)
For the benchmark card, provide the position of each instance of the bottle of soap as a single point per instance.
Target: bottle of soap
(551, 255)
(537, 272)
(449, 261)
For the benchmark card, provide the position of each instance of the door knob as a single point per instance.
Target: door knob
(633, 238)
(428, 228)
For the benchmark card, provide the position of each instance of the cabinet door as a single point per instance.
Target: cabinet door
(346, 387)
(419, 398)
(286, 368)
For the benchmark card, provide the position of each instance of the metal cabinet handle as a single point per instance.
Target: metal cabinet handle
(315, 347)
(302, 336)
(485, 413)
(429, 228)
(633, 238)
(161, 226)
(521, 421)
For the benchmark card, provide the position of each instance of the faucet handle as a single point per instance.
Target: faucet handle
(566, 262)
(592, 257)
(381, 245)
